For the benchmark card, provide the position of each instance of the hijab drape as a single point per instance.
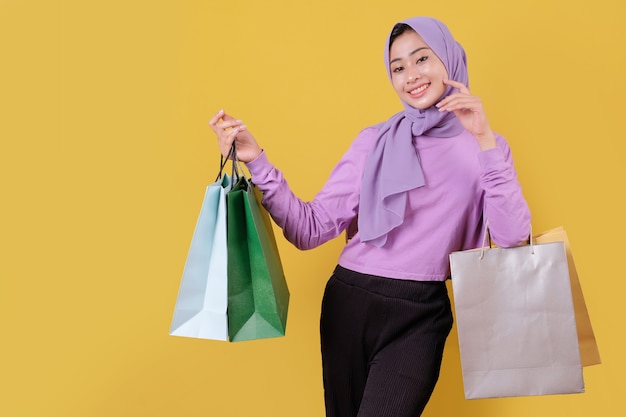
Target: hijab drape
(393, 168)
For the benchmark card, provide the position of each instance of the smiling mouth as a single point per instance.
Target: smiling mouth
(419, 89)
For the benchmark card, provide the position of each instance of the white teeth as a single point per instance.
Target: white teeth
(417, 90)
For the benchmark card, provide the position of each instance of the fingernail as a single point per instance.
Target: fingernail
(239, 121)
(242, 127)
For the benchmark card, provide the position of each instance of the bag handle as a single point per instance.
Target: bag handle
(486, 233)
(223, 162)
(237, 170)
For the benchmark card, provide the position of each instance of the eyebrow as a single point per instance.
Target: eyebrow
(412, 53)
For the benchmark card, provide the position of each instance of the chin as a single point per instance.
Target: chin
(420, 106)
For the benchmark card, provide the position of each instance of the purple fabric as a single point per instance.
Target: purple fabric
(465, 186)
(393, 167)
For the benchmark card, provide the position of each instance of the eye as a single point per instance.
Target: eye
(397, 69)
(422, 59)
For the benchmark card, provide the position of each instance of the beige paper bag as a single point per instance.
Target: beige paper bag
(589, 354)
(515, 321)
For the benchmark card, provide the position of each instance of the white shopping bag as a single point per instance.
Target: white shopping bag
(516, 322)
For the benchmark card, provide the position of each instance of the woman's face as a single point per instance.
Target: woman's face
(417, 73)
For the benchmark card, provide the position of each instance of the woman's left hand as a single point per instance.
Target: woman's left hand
(470, 112)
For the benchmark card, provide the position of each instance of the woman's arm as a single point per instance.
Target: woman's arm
(504, 206)
(308, 224)
(305, 224)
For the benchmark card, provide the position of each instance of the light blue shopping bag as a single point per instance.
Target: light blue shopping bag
(201, 306)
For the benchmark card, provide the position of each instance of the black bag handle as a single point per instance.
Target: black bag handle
(236, 167)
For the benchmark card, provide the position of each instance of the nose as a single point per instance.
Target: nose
(413, 75)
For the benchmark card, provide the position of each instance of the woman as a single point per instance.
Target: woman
(431, 176)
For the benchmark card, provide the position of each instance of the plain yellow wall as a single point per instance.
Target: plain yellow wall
(105, 152)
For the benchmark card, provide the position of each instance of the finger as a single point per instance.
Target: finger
(452, 97)
(216, 118)
(221, 115)
(448, 99)
(226, 141)
(231, 134)
(460, 102)
(237, 129)
(462, 87)
(228, 124)
(231, 138)
(227, 117)
(464, 101)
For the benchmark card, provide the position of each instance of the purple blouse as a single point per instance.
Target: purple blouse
(464, 186)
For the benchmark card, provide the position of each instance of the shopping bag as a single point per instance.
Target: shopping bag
(589, 353)
(515, 321)
(201, 306)
(258, 297)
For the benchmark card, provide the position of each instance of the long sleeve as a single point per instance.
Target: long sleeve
(310, 224)
(504, 204)
(464, 186)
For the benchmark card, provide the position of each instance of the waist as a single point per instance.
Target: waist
(392, 287)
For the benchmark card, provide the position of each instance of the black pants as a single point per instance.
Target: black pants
(382, 344)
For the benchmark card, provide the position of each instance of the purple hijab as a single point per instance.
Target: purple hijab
(393, 168)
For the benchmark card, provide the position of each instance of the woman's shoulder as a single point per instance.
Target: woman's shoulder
(370, 131)
(365, 139)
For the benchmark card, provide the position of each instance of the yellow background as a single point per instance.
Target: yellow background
(105, 153)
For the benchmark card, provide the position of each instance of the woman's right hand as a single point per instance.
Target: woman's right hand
(230, 130)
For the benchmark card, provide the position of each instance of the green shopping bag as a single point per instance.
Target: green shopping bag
(258, 297)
